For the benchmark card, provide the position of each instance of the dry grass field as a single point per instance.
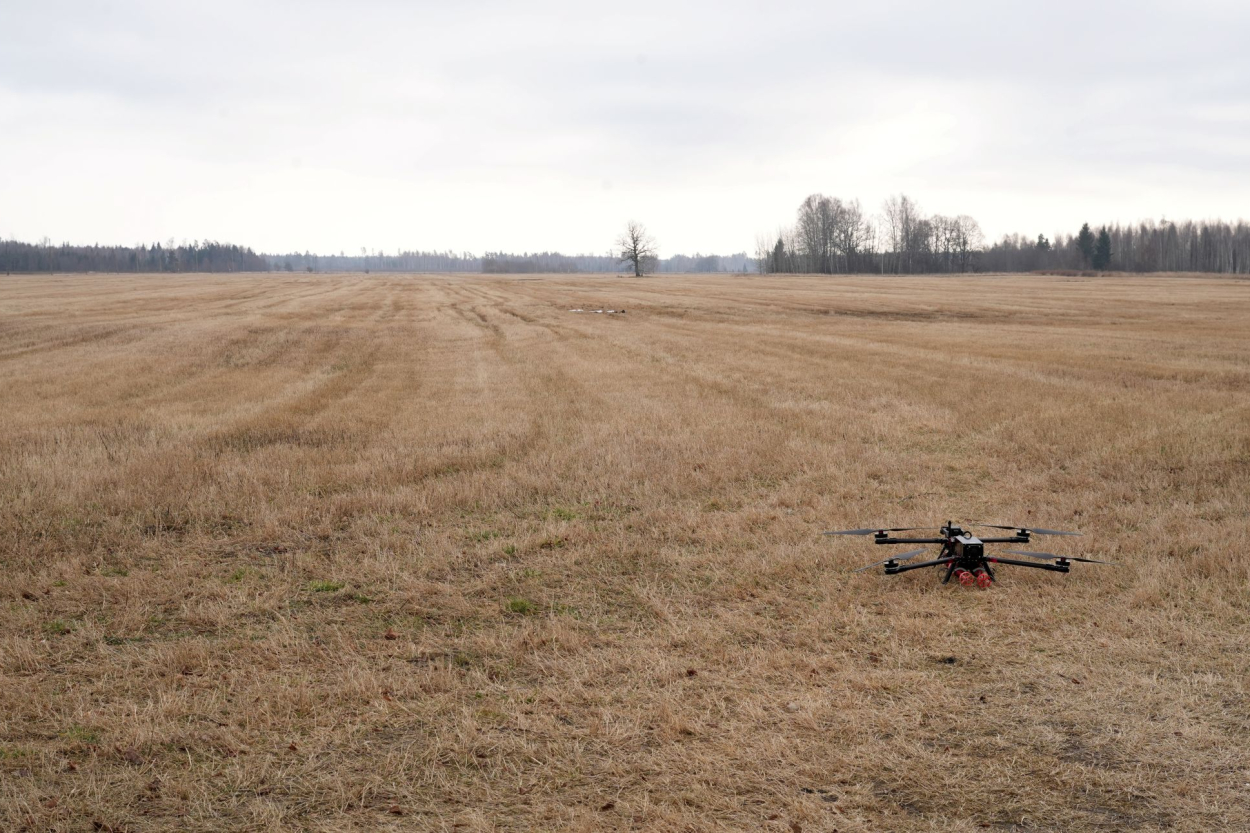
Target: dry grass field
(434, 553)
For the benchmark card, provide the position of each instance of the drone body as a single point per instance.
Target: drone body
(963, 554)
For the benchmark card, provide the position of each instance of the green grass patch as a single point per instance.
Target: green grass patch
(58, 627)
(81, 734)
(326, 586)
(522, 607)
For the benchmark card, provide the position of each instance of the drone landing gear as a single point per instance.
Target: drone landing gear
(967, 575)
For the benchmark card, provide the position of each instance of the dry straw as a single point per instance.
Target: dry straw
(414, 552)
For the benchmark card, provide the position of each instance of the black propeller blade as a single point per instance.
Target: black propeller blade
(904, 557)
(1030, 529)
(1048, 556)
(875, 531)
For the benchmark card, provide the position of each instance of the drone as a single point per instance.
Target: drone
(963, 554)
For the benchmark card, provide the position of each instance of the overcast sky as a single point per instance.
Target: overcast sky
(477, 126)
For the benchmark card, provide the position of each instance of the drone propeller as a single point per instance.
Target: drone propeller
(1047, 556)
(1032, 530)
(875, 531)
(904, 557)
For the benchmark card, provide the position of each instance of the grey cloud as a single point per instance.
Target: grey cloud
(678, 98)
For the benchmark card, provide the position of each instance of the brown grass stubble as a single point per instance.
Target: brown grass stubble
(582, 585)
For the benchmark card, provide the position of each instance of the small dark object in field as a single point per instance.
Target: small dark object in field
(130, 755)
(825, 795)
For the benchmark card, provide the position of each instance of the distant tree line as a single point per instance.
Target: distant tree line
(1164, 246)
(551, 262)
(376, 261)
(498, 262)
(830, 236)
(740, 262)
(205, 256)
(208, 256)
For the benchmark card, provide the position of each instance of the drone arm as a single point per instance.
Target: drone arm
(1057, 568)
(902, 568)
(1015, 539)
(885, 539)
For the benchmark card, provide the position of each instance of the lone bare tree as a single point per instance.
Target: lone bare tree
(637, 247)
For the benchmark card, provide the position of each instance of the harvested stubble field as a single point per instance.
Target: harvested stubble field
(434, 553)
